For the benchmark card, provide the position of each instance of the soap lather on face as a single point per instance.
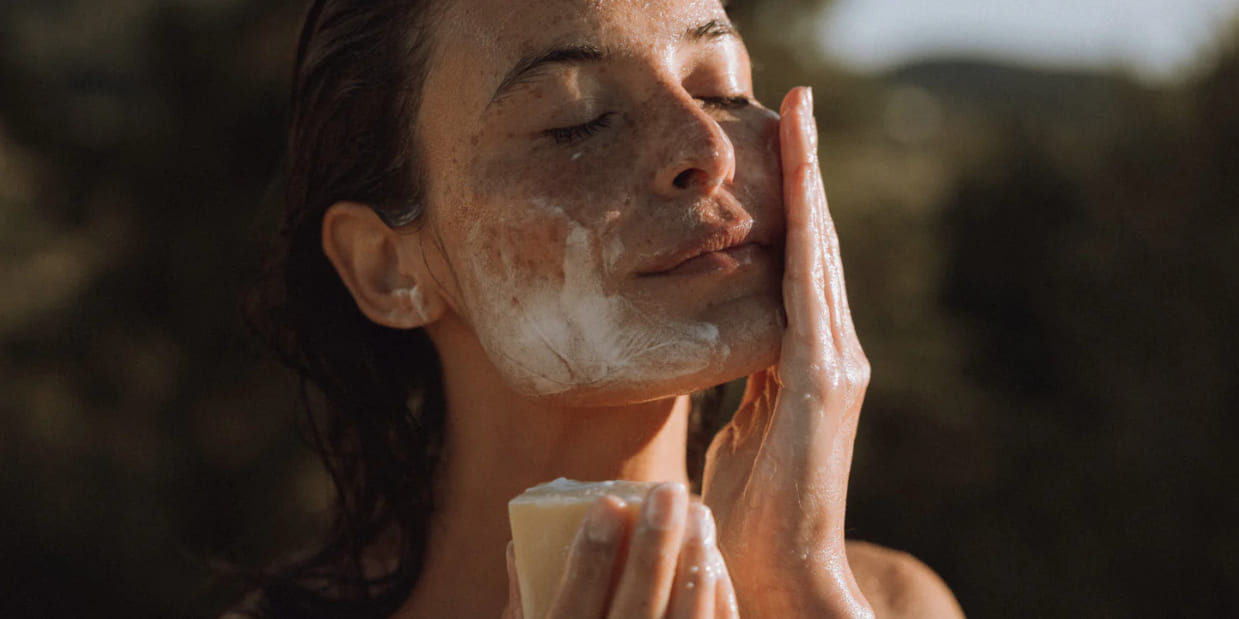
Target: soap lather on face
(562, 330)
(550, 244)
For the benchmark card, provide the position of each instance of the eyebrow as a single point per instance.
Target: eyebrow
(528, 65)
(580, 54)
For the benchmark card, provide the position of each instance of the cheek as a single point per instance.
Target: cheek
(536, 299)
(503, 252)
(758, 171)
(540, 196)
(521, 251)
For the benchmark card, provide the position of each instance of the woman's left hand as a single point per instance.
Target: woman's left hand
(776, 476)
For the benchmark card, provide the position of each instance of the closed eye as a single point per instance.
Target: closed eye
(727, 103)
(576, 133)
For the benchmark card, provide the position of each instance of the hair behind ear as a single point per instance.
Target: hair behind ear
(360, 69)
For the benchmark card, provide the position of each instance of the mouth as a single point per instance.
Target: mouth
(720, 250)
(722, 261)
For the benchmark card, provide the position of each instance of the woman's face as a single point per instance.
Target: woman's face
(580, 154)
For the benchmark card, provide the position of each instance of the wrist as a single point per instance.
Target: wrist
(806, 585)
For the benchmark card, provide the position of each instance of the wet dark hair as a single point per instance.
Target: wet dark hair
(360, 69)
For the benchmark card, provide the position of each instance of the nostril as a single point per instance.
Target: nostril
(682, 179)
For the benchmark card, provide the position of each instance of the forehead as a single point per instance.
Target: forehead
(519, 27)
(477, 41)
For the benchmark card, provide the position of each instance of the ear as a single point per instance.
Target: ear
(376, 264)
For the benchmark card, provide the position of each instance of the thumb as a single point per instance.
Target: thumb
(759, 398)
(513, 610)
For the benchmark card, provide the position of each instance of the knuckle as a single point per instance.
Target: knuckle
(863, 373)
(828, 375)
(803, 173)
(858, 371)
(591, 547)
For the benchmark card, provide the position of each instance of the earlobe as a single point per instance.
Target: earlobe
(370, 260)
(415, 308)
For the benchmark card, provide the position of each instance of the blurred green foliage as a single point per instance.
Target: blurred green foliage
(1043, 264)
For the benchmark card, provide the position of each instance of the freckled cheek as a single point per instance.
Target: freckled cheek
(511, 255)
(758, 175)
(508, 225)
(586, 190)
(614, 174)
(453, 191)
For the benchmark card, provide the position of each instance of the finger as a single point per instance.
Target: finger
(840, 313)
(815, 294)
(850, 368)
(693, 595)
(591, 562)
(513, 610)
(803, 276)
(649, 571)
(725, 603)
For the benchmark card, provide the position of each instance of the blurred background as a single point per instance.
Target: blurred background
(1040, 222)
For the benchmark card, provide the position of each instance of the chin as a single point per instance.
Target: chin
(744, 341)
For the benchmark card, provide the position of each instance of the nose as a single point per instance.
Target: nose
(699, 156)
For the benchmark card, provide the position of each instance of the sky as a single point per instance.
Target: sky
(1155, 38)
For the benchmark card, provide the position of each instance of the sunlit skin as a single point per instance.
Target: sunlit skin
(564, 205)
(663, 100)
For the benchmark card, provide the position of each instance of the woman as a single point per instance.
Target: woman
(516, 240)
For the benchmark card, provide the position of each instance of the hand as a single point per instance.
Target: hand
(776, 476)
(665, 564)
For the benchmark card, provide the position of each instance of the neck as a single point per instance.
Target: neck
(499, 443)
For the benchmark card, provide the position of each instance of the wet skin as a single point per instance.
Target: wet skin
(562, 199)
(604, 235)
(577, 194)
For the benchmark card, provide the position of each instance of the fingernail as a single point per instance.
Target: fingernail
(700, 524)
(664, 506)
(808, 98)
(601, 524)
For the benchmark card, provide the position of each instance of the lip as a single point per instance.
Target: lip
(724, 260)
(720, 249)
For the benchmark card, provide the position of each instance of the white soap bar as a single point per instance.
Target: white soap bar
(544, 523)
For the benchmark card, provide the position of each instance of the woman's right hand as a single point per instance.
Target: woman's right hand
(662, 563)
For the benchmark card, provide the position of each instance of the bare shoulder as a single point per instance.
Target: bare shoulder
(898, 585)
(247, 608)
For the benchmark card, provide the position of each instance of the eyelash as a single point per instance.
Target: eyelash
(576, 133)
(728, 103)
(569, 135)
